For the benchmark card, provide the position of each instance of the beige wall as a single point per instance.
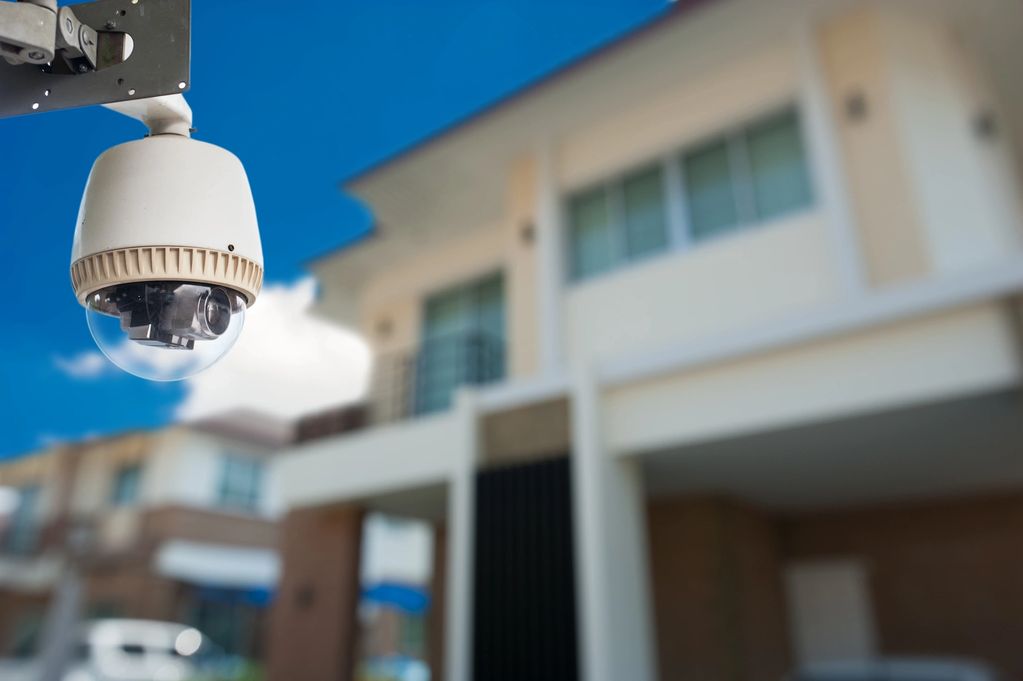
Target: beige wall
(392, 301)
(965, 351)
(856, 65)
(181, 466)
(929, 195)
(100, 461)
(46, 469)
(965, 184)
(739, 280)
(365, 463)
(697, 104)
(926, 195)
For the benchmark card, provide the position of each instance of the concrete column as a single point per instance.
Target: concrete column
(314, 626)
(826, 164)
(435, 634)
(615, 621)
(550, 260)
(460, 545)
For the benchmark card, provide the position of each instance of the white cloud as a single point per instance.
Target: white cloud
(88, 364)
(287, 362)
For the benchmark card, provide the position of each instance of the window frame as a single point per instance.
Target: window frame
(229, 498)
(115, 487)
(676, 198)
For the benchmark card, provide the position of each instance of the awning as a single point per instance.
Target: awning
(218, 565)
(411, 599)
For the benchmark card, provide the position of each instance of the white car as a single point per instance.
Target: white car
(898, 669)
(131, 650)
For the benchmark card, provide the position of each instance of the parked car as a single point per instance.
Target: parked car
(898, 669)
(136, 650)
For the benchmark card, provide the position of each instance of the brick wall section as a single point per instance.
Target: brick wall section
(132, 589)
(946, 578)
(193, 524)
(718, 592)
(14, 608)
(313, 625)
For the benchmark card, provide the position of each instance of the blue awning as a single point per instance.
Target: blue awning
(411, 599)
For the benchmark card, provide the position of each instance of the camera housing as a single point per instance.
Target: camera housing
(167, 244)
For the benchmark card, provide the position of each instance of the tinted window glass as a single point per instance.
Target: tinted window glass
(710, 190)
(646, 228)
(780, 179)
(591, 246)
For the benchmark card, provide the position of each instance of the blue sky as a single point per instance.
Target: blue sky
(386, 74)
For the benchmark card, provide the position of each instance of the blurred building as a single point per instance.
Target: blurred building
(176, 525)
(702, 356)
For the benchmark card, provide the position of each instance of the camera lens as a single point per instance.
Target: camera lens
(165, 330)
(215, 308)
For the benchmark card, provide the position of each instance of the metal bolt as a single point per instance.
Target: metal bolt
(36, 55)
(111, 24)
(82, 68)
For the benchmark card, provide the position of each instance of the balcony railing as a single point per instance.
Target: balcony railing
(423, 380)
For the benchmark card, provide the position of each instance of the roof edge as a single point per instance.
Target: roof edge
(677, 9)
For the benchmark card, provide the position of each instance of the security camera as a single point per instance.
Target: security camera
(166, 254)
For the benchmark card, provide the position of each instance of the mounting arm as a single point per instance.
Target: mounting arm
(166, 115)
(91, 53)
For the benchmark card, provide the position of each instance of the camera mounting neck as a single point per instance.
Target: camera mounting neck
(164, 115)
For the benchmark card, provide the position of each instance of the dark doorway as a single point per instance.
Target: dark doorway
(524, 624)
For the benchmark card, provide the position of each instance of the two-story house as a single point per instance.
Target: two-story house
(177, 524)
(702, 354)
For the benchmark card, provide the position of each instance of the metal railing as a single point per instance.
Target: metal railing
(423, 380)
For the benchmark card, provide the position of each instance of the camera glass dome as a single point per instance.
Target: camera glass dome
(165, 331)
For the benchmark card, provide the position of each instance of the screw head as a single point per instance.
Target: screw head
(82, 68)
(36, 55)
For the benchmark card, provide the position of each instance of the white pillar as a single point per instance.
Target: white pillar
(549, 261)
(461, 521)
(614, 611)
(826, 163)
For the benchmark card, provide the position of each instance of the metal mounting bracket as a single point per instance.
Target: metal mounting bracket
(160, 33)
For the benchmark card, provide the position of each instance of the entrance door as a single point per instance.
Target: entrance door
(524, 624)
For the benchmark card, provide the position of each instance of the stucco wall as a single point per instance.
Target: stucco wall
(967, 350)
(766, 272)
(390, 307)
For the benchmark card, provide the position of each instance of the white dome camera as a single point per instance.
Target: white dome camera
(166, 255)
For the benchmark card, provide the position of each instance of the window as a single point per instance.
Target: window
(463, 342)
(710, 190)
(126, 485)
(617, 222)
(241, 479)
(23, 529)
(592, 249)
(646, 224)
(781, 181)
(750, 174)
